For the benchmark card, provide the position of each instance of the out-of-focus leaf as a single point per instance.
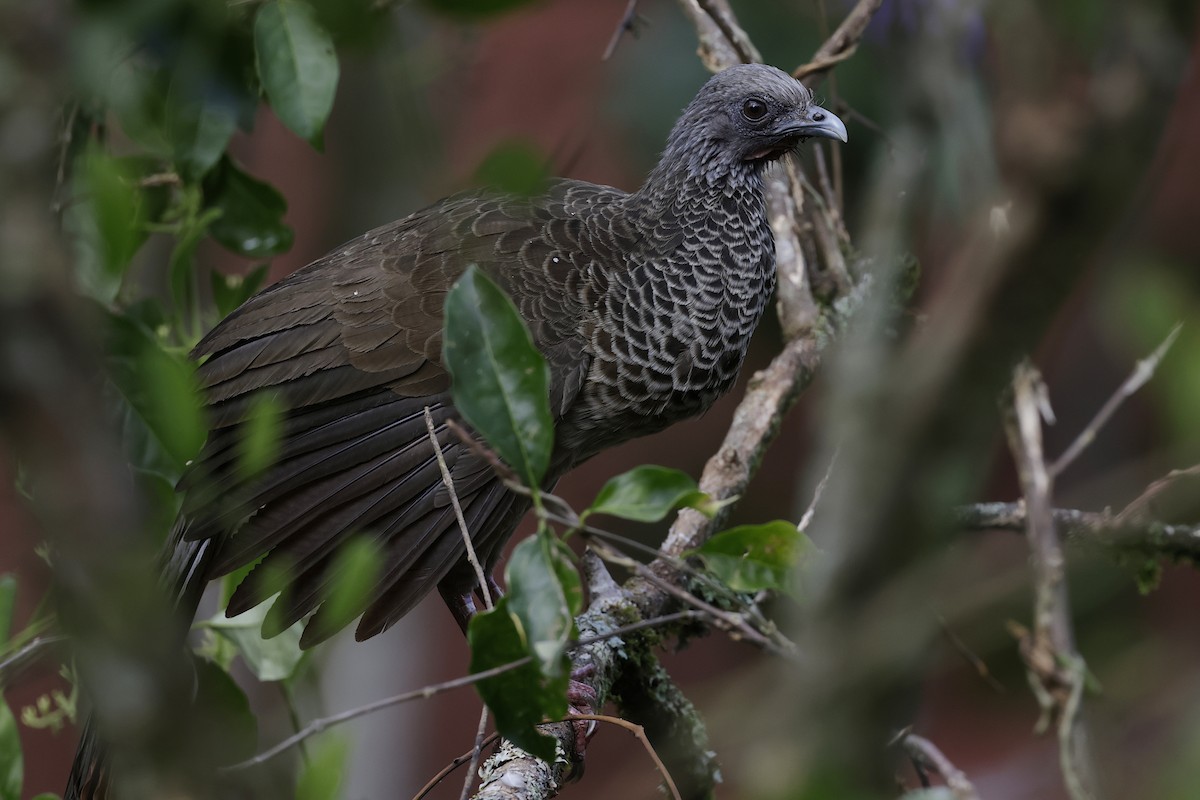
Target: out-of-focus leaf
(231, 728)
(352, 21)
(322, 775)
(543, 597)
(475, 8)
(161, 401)
(199, 130)
(750, 558)
(230, 291)
(12, 764)
(251, 222)
(519, 698)
(259, 435)
(648, 493)
(116, 208)
(297, 66)
(501, 382)
(8, 599)
(515, 168)
(355, 569)
(273, 659)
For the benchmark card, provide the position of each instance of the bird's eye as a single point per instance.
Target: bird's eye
(754, 109)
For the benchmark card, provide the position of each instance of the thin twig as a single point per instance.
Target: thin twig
(457, 762)
(809, 512)
(1141, 375)
(628, 24)
(324, 723)
(480, 734)
(1147, 536)
(26, 655)
(640, 733)
(1056, 671)
(841, 44)
(480, 575)
(926, 753)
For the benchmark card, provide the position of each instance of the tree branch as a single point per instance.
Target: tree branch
(1057, 671)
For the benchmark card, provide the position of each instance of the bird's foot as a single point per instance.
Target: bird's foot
(581, 699)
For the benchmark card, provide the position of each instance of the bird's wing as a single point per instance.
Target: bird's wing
(351, 347)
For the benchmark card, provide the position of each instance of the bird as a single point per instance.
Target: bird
(643, 304)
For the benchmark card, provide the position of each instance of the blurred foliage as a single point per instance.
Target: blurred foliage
(163, 88)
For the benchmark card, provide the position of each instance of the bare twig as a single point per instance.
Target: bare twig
(639, 732)
(926, 753)
(811, 511)
(1141, 375)
(480, 575)
(628, 24)
(26, 655)
(324, 723)
(457, 762)
(480, 735)
(1147, 536)
(841, 44)
(1056, 670)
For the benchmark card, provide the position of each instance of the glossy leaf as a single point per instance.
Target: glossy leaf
(157, 398)
(297, 66)
(750, 558)
(519, 698)
(501, 382)
(544, 596)
(648, 493)
(322, 775)
(230, 291)
(251, 219)
(273, 659)
(12, 764)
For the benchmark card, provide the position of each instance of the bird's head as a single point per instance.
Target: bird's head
(743, 118)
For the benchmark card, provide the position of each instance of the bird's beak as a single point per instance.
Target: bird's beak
(816, 121)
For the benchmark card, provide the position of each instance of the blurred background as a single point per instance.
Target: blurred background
(1074, 124)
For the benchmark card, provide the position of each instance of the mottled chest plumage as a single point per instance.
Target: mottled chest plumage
(675, 316)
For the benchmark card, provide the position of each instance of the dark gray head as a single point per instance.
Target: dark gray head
(743, 118)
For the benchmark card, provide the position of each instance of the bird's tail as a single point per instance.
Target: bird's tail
(184, 570)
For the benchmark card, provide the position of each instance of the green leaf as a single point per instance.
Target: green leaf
(273, 659)
(8, 598)
(322, 775)
(750, 558)
(157, 397)
(514, 168)
(230, 291)
(199, 130)
(297, 66)
(251, 221)
(476, 8)
(501, 382)
(259, 436)
(648, 493)
(116, 209)
(12, 764)
(519, 698)
(544, 596)
(355, 569)
(229, 727)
